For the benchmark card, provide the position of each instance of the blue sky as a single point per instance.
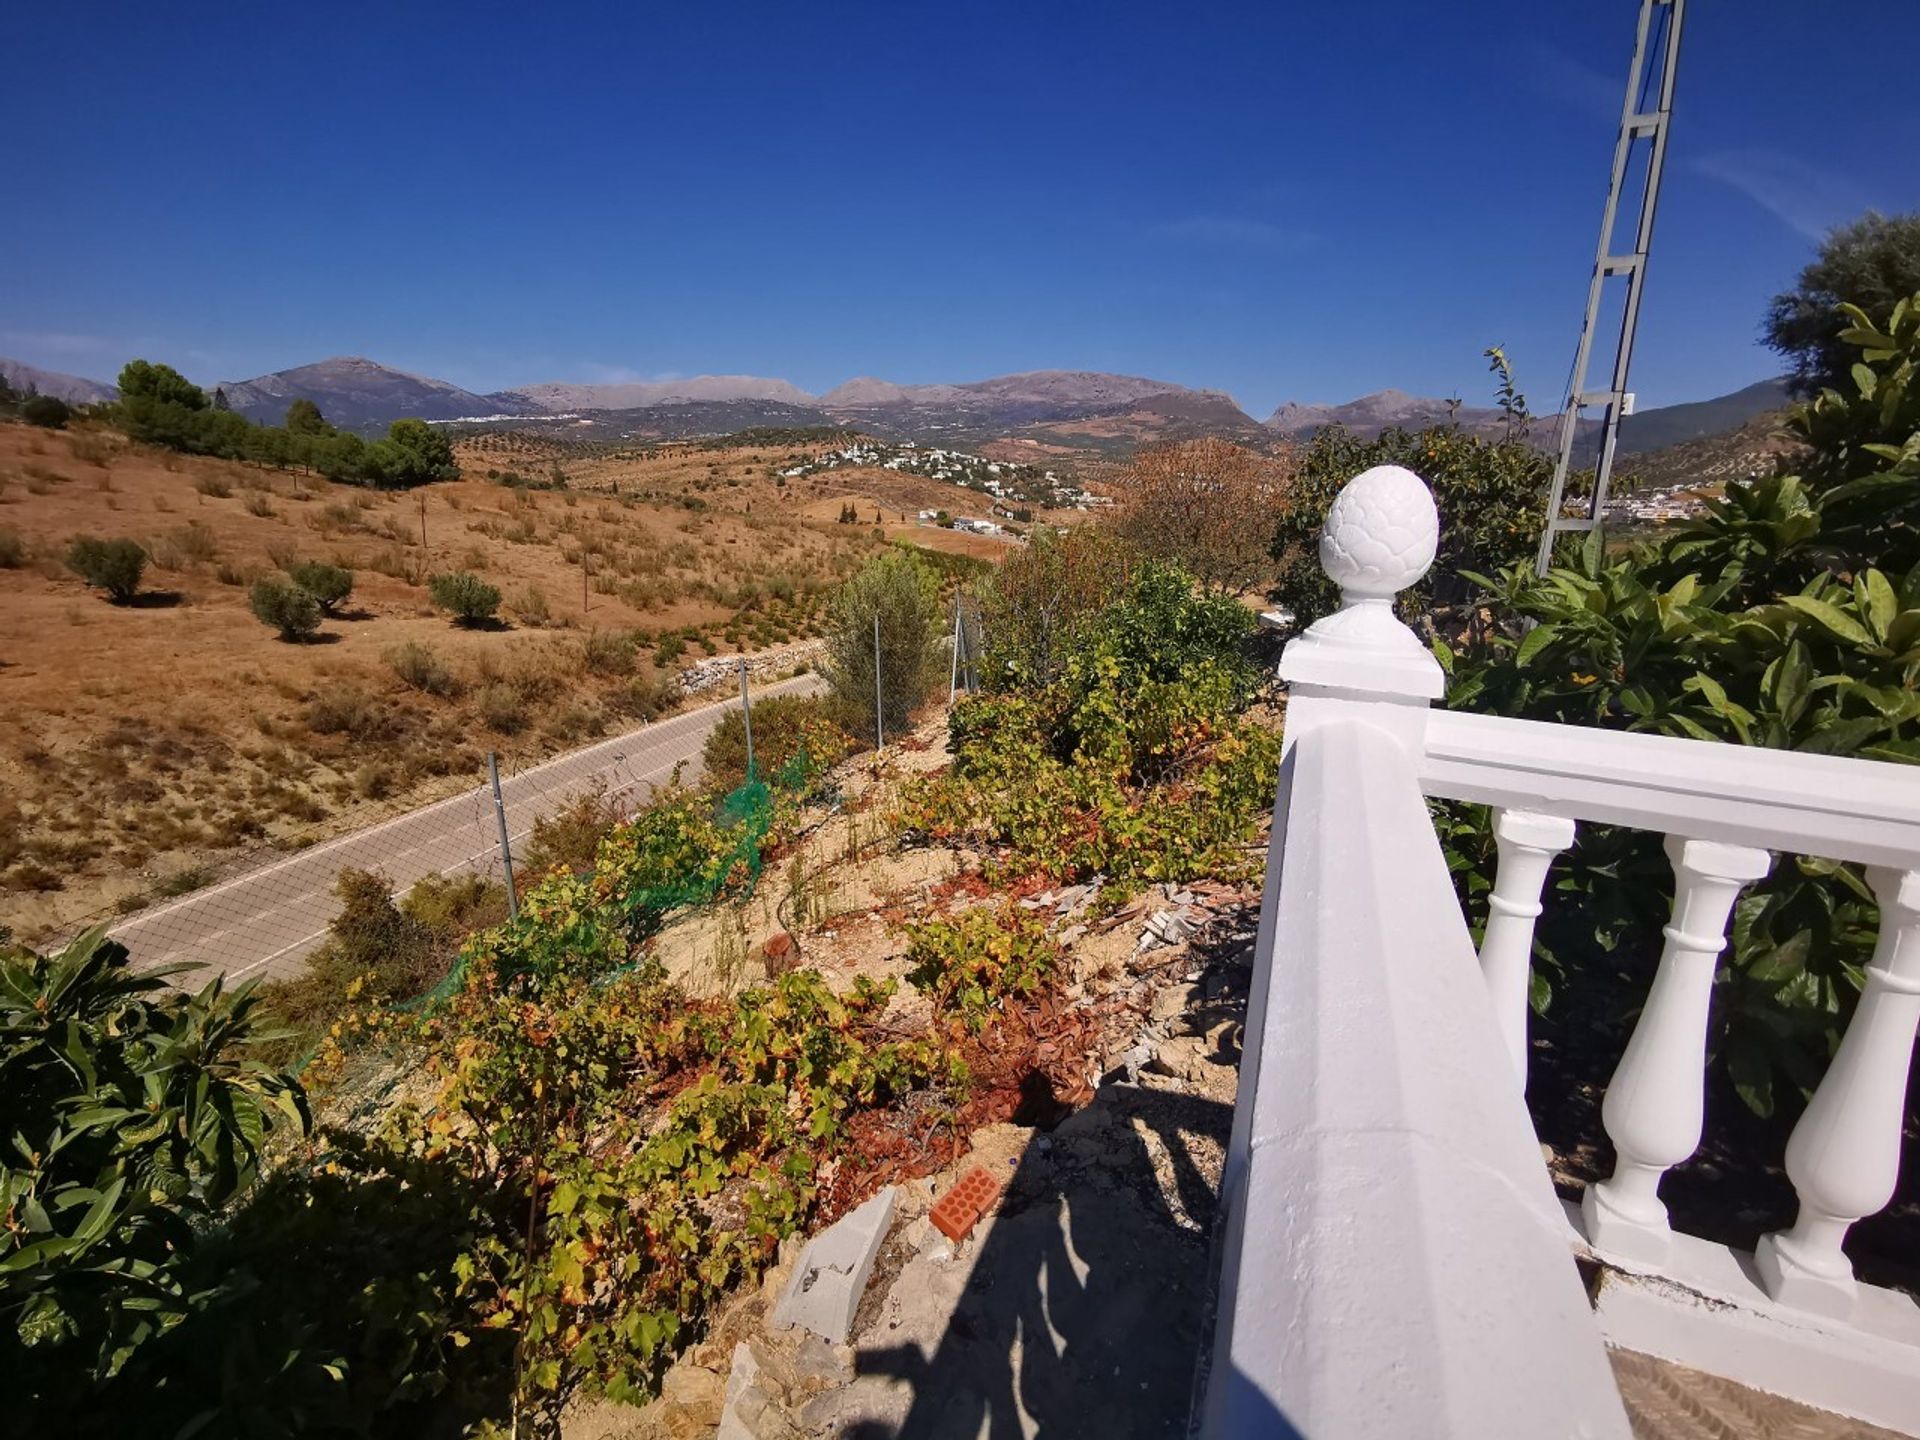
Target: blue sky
(1286, 201)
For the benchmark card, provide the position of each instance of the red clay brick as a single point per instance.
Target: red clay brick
(960, 1209)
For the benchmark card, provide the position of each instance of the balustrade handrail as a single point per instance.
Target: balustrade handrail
(1378, 1090)
(1833, 807)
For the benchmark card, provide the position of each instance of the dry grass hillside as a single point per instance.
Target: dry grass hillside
(141, 742)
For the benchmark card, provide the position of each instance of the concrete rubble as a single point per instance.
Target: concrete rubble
(832, 1274)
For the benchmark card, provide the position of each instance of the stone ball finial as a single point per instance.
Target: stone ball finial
(1381, 533)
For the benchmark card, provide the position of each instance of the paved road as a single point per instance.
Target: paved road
(266, 921)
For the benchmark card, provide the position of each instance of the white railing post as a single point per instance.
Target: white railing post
(1362, 661)
(1844, 1157)
(1654, 1105)
(1527, 843)
(1392, 1258)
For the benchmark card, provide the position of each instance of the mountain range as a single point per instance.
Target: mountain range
(70, 388)
(1064, 409)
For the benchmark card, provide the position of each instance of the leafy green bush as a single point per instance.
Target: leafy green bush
(1137, 763)
(285, 606)
(1042, 595)
(329, 585)
(786, 728)
(466, 597)
(46, 411)
(904, 594)
(1789, 618)
(972, 964)
(133, 1113)
(378, 952)
(114, 566)
(1491, 495)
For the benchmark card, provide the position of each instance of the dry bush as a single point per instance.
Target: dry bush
(607, 652)
(350, 710)
(13, 550)
(197, 542)
(577, 722)
(93, 450)
(530, 607)
(213, 486)
(1209, 505)
(259, 503)
(501, 707)
(421, 667)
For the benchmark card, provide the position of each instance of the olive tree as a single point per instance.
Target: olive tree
(902, 593)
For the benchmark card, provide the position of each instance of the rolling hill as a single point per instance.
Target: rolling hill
(359, 394)
(1647, 430)
(74, 389)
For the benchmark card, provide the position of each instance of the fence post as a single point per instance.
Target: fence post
(879, 725)
(746, 710)
(953, 674)
(506, 851)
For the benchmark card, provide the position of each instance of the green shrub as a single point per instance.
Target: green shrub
(972, 964)
(1491, 495)
(904, 593)
(114, 566)
(378, 952)
(1136, 763)
(1790, 617)
(46, 411)
(134, 1113)
(329, 585)
(466, 597)
(421, 667)
(786, 729)
(1043, 594)
(286, 607)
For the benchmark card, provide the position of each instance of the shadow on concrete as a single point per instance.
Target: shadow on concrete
(1086, 1304)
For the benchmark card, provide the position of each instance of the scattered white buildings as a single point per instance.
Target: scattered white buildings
(1004, 480)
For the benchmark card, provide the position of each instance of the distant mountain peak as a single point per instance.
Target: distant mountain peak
(74, 389)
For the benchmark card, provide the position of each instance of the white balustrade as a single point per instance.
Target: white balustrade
(1393, 1260)
(1373, 1282)
(1655, 1103)
(1527, 843)
(1844, 1157)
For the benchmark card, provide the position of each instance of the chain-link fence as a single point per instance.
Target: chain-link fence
(266, 912)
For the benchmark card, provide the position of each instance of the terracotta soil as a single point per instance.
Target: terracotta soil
(151, 743)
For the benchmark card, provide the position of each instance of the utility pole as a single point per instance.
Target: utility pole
(746, 710)
(953, 675)
(506, 851)
(1658, 33)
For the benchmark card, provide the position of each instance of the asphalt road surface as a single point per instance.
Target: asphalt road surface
(264, 922)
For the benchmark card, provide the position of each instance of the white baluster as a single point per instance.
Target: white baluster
(1528, 842)
(1655, 1102)
(1844, 1157)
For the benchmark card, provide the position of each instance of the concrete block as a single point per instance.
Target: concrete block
(832, 1274)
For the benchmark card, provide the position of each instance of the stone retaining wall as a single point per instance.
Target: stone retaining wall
(724, 669)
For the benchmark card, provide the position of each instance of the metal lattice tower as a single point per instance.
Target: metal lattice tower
(1656, 44)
